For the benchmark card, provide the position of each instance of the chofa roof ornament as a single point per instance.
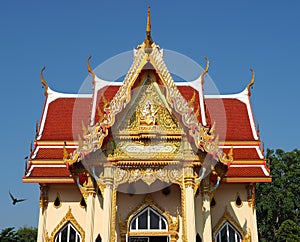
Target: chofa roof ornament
(250, 84)
(44, 83)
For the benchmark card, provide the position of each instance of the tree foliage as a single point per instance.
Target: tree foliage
(23, 234)
(288, 231)
(26, 234)
(279, 201)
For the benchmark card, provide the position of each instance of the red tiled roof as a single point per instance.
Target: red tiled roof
(108, 92)
(243, 153)
(50, 172)
(52, 153)
(64, 118)
(251, 171)
(231, 118)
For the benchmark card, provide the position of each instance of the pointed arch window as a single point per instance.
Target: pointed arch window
(228, 233)
(68, 234)
(148, 219)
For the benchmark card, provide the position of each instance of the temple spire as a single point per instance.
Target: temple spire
(148, 40)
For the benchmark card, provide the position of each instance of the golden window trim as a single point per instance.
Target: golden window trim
(173, 222)
(68, 218)
(227, 217)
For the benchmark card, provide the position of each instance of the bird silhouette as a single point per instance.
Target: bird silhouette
(15, 200)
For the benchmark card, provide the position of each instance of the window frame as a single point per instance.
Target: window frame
(68, 226)
(227, 225)
(148, 209)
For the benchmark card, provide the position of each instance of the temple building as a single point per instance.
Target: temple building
(148, 159)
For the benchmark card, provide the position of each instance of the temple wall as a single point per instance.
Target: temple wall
(70, 198)
(225, 197)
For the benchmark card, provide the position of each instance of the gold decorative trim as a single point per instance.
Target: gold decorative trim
(113, 215)
(55, 142)
(251, 195)
(246, 179)
(227, 217)
(173, 222)
(47, 180)
(68, 218)
(148, 175)
(44, 196)
(204, 138)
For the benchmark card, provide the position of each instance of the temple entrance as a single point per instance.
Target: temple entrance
(149, 239)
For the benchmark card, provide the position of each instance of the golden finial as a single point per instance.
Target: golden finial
(31, 147)
(90, 70)
(251, 81)
(148, 40)
(66, 155)
(191, 102)
(230, 154)
(36, 128)
(80, 143)
(84, 129)
(44, 83)
(205, 70)
(212, 129)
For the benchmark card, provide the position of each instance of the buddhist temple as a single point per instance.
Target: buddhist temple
(148, 159)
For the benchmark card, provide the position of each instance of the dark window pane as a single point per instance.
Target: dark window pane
(224, 234)
(143, 220)
(231, 234)
(154, 220)
(72, 235)
(163, 224)
(133, 224)
(64, 234)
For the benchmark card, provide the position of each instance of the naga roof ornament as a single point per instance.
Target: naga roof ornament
(90, 70)
(205, 71)
(44, 83)
(250, 84)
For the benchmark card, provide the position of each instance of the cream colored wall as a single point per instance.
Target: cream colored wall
(99, 221)
(225, 196)
(199, 214)
(70, 197)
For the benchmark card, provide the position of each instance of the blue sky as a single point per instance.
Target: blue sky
(234, 35)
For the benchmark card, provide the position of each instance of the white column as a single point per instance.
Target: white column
(189, 184)
(207, 230)
(107, 202)
(190, 214)
(90, 214)
(43, 213)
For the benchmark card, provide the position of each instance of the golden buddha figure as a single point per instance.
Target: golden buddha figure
(148, 115)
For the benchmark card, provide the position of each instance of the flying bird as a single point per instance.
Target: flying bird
(15, 200)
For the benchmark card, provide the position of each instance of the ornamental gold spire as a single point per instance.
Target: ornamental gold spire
(148, 40)
(251, 81)
(44, 83)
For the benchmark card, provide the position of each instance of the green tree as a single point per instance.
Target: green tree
(26, 234)
(278, 201)
(288, 231)
(8, 235)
